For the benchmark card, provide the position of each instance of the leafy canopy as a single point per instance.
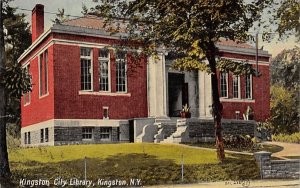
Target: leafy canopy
(189, 27)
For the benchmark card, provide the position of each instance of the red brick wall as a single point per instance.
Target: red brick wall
(70, 105)
(39, 109)
(260, 93)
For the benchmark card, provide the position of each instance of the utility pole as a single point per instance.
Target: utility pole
(256, 55)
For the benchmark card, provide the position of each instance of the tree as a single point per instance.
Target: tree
(14, 80)
(17, 40)
(284, 110)
(4, 165)
(285, 68)
(282, 18)
(60, 17)
(285, 80)
(191, 29)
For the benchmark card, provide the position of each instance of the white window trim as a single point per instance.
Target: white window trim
(125, 74)
(92, 67)
(88, 139)
(116, 94)
(39, 64)
(109, 72)
(109, 133)
(239, 87)
(227, 96)
(28, 93)
(29, 98)
(251, 88)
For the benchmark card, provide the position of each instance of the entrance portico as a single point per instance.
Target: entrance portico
(169, 90)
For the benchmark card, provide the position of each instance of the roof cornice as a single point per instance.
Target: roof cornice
(66, 29)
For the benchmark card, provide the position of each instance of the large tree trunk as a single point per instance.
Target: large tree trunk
(217, 107)
(4, 165)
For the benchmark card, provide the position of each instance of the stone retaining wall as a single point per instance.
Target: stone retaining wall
(204, 131)
(277, 169)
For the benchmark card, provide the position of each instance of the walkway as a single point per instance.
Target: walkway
(239, 184)
(289, 149)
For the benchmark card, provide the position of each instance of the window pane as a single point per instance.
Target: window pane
(223, 84)
(87, 133)
(121, 73)
(235, 87)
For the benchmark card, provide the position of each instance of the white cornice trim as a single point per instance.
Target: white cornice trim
(34, 44)
(244, 51)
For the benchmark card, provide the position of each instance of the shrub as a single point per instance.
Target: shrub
(239, 142)
(293, 138)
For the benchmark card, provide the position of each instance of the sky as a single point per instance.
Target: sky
(74, 7)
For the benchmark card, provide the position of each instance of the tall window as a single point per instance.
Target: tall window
(26, 96)
(104, 70)
(87, 133)
(248, 85)
(43, 73)
(224, 84)
(236, 86)
(121, 72)
(86, 69)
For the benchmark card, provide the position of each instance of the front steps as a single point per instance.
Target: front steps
(165, 131)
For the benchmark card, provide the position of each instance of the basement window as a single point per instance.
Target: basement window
(105, 133)
(25, 138)
(46, 135)
(87, 133)
(42, 135)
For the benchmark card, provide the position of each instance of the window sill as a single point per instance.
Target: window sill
(237, 100)
(27, 104)
(104, 93)
(43, 96)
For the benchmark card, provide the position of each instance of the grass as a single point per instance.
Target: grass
(152, 163)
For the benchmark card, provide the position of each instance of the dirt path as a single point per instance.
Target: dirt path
(289, 149)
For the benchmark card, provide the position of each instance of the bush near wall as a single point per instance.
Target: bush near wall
(293, 138)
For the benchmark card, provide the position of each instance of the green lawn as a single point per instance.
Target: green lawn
(152, 163)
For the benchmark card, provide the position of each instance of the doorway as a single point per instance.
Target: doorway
(178, 93)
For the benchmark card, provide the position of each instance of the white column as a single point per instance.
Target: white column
(205, 97)
(157, 87)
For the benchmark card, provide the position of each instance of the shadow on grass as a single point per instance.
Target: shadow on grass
(149, 169)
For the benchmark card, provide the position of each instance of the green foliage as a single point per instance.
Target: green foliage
(285, 72)
(60, 17)
(285, 68)
(239, 142)
(288, 14)
(292, 138)
(15, 79)
(17, 37)
(190, 27)
(284, 110)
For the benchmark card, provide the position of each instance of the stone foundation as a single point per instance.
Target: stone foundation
(204, 130)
